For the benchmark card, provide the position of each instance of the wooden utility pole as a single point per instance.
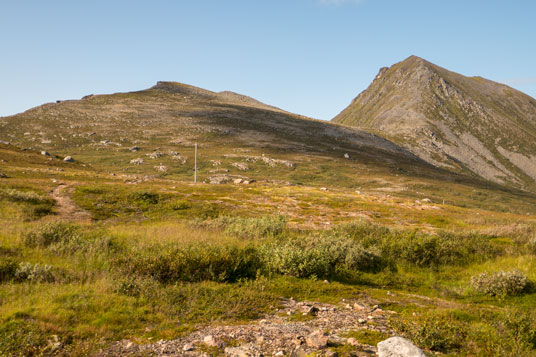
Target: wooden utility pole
(195, 164)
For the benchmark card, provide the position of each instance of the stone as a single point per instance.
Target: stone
(237, 351)
(161, 168)
(137, 161)
(238, 180)
(426, 200)
(241, 166)
(188, 347)
(362, 321)
(135, 148)
(68, 159)
(399, 347)
(280, 353)
(3, 175)
(358, 306)
(323, 188)
(346, 156)
(317, 339)
(45, 153)
(213, 342)
(352, 342)
(154, 155)
(331, 354)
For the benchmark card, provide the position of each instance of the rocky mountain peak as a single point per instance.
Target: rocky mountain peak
(467, 124)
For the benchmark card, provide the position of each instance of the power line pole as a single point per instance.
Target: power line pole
(195, 168)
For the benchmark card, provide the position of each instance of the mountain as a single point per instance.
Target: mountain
(153, 132)
(465, 124)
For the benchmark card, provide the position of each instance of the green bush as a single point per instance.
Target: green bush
(24, 196)
(34, 272)
(501, 283)
(172, 264)
(8, 268)
(51, 233)
(320, 255)
(145, 197)
(66, 238)
(254, 227)
(418, 248)
(436, 331)
(291, 259)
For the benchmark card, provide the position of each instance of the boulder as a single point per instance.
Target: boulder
(161, 168)
(399, 347)
(241, 351)
(188, 347)
(68, 159)
(241, 166)
(317, 340)
(213, 342)
(137, 161)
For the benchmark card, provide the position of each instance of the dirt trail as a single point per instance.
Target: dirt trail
(296, 329)
(67, 209)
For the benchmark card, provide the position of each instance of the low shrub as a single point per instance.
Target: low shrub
(145, 197)
(501, 283)
(34, 205)
(51, 233)
(20, 337)
(66, 238)
(418, 248)
(172, 264)
(291, 259)
(436, 331)
(254, 227)
(320, 255)
(34, 272)
(23, 196)
(8, 268)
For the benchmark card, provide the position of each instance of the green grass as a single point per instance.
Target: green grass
(163, 256)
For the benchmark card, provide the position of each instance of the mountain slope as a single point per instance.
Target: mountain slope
(466, 124)
(152, 132)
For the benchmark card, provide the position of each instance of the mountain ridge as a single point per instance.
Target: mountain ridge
(466, 124)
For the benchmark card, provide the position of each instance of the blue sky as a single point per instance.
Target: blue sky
(311, 57)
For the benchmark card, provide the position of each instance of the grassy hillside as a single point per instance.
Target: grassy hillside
(103, 257)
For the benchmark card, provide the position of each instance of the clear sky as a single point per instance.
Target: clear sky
(311, 57)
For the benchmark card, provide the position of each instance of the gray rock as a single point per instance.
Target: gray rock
(213, 342)
(45, 153)
(188, 347)
(317, 339)
(241, 166)
(399, 347)
(135, 148)
(137, 161)
(68, 159)
(241, 351)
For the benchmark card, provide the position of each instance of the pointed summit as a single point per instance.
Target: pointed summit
(467, 124)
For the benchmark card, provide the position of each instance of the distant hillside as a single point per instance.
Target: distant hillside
(152, 132)
(466, 124)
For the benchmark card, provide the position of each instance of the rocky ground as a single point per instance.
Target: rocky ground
(296, 329)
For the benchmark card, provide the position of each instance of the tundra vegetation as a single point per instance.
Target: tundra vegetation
(101, 249)
(154, 262)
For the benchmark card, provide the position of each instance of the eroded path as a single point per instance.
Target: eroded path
(296, 329)
(66, 207)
